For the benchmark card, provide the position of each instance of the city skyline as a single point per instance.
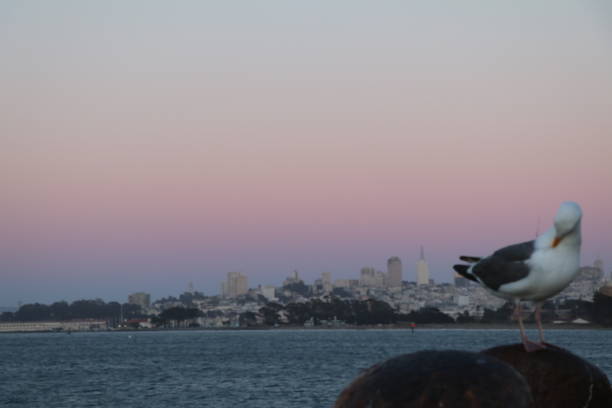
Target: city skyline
(236, 283)
(146, 145)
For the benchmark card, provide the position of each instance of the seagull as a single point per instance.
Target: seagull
(533, 270)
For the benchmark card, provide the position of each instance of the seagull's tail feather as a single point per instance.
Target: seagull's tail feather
(470, 259)
(463, 270)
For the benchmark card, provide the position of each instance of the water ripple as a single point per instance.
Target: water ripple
(284, 368)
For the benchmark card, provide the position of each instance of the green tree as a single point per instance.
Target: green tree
(341, 292)
(428, 315)
(465, 318)
(602, 309)
(580, 309)
(298, 313)
(501, 315)
(60, 310)
(33, 312)
(7, 317)
(270, 313)
(178, 314)
(248, 319)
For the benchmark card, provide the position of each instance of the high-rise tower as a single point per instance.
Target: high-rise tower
(394, 272)
(422, 271)
(235, 285)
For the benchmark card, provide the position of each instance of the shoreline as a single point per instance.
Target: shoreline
(429, 326)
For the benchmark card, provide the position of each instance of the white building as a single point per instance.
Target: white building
(422, 271)
(269, 292)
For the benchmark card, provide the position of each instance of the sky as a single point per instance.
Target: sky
(148, 144)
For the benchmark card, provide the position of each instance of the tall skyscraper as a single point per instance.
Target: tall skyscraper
(236, 284)
(422, 270)
(394, 272)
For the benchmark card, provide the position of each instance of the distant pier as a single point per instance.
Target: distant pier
(75, 325)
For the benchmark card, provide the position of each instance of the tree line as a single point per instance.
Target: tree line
(79, 309)
(372, 311)
(353, 312)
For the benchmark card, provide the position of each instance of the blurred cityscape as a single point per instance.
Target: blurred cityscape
(374, 298)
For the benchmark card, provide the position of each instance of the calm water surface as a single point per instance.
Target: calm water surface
(268, 368)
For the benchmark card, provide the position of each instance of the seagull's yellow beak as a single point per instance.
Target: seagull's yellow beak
(556, 241)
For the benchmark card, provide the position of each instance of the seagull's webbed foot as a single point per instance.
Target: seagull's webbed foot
(530, 346)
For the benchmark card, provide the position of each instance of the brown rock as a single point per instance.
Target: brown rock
(558, 378)
(429, 379)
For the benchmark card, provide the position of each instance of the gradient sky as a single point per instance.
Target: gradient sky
(146, 144)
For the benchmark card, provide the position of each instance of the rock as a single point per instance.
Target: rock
(558, 378)
(428, 379)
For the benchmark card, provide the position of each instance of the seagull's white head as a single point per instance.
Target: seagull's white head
(567, 221)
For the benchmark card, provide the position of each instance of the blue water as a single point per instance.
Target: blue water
(268, 368)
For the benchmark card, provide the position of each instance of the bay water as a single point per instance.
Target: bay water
(228, 368)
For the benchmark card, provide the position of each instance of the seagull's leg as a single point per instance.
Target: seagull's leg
(538, 319)
(529, 345)
(519, 318)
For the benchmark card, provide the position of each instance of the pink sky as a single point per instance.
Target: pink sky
(146, 146)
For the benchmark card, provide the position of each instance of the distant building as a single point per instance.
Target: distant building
(236, 284)
(589, 273)
(293, 278)
(367, 276)
(460, 281)
(394, 272)
(141, 299)
(462, 300)
(422, 271)
(190, 288)
(324, 284)
(600, 265)
(346, 283)
(269, 292)
(371, 278)
(326, 278)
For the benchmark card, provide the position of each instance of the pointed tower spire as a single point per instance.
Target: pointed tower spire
(422, 271)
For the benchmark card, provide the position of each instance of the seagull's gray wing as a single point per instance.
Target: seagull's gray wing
(506, 265)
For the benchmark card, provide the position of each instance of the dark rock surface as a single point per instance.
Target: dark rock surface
(428, 379)
(558, 378)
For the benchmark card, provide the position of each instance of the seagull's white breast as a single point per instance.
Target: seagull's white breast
(551, 271)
